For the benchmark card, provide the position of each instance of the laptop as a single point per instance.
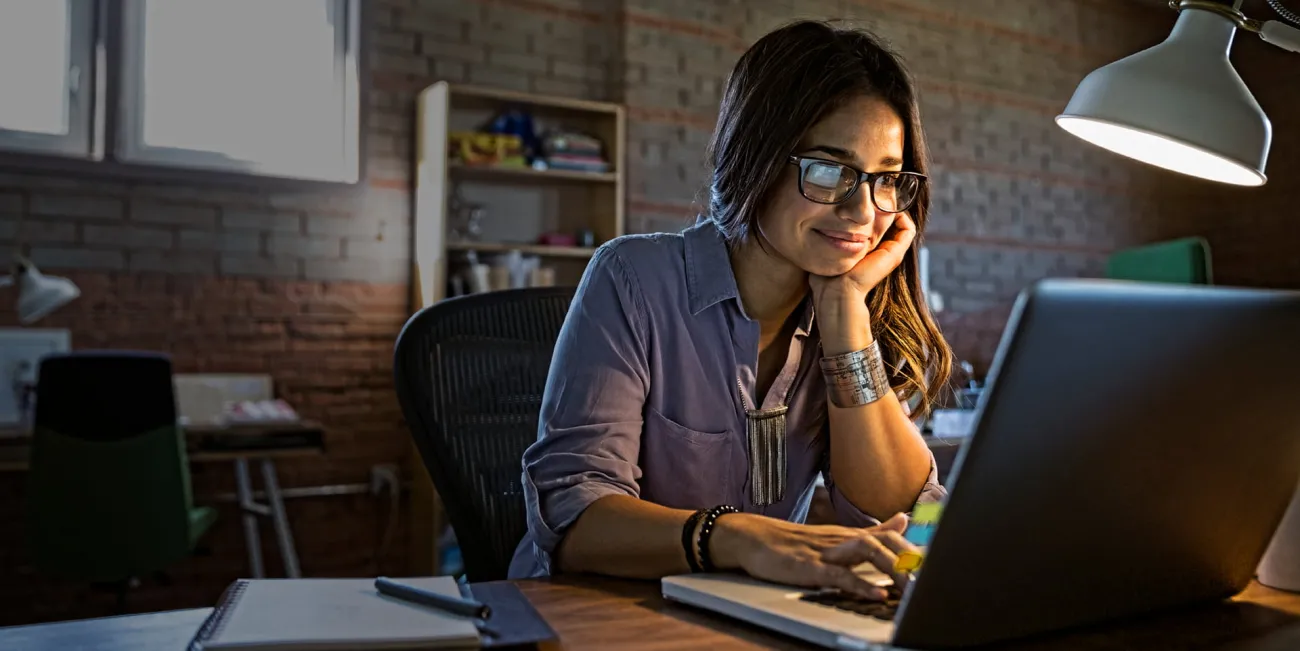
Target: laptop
(1135, 448)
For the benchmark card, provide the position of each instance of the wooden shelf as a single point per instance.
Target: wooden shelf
(528, 172)
(544, 250)
(517, 97)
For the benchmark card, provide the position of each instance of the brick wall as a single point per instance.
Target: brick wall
(310, 285)
(1017, 198)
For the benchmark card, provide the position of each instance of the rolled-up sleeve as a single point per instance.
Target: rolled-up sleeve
(589, 430)
(851, 516)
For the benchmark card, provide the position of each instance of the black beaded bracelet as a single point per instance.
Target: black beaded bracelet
(688, 538)
(706, 531)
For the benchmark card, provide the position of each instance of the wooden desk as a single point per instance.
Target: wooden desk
(236, 444)
(593, 613)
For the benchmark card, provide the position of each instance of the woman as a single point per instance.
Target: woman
(703, 380)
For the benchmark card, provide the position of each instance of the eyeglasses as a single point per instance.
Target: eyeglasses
(824, 181)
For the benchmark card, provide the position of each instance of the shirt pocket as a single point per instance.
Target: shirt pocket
(684, 468)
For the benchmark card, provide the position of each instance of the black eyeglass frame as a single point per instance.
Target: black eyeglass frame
(863, 177)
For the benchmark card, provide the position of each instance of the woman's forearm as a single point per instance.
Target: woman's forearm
(623, 536)
(878, 458)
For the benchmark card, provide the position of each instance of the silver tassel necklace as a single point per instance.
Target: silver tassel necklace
(765, 430)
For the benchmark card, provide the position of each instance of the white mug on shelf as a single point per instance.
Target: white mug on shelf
(477, 277)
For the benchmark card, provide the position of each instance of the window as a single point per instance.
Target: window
(45, 55)
(246, 85)
(250, 86)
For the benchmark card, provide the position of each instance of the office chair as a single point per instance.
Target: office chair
(108, 494)
(1184, 261)
(470, 372)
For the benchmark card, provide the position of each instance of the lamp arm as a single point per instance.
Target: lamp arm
(1273, 31)
(1280, 34)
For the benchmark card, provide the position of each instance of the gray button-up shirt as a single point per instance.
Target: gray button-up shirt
(642, 397)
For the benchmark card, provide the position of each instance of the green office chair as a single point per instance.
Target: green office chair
(108, 492)
(1185, 260)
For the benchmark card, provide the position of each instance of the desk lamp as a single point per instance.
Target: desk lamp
(38, 294)
(1180, 105)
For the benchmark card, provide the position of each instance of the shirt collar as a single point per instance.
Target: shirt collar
(806, 319)
(709, 278)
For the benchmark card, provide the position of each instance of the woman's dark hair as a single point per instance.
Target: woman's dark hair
(780, 87)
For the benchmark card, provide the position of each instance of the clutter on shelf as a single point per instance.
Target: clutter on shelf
(567, 150)
(466, 219)
(496, 149)
(511, 139)
(510, 270)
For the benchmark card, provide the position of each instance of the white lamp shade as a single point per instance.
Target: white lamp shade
(38, 294)
(1179, 105)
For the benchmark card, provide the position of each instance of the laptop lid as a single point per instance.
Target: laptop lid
(1135, 448)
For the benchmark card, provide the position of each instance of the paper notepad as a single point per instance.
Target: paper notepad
(326, 614)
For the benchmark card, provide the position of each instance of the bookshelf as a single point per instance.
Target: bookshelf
(519, 204)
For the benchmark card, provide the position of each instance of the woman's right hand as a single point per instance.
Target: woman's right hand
(812, 556)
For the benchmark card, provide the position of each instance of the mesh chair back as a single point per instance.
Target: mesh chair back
(470, 372)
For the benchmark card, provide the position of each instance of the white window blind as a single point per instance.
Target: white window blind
(241, 85)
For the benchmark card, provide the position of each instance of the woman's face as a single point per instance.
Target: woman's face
(824, 239)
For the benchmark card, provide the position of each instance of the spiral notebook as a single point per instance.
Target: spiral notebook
(330, 614)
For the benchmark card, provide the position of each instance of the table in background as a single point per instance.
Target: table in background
(238, 444)
(596, 613)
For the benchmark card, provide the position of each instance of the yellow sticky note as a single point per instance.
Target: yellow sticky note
(927, 513)
(908, 561)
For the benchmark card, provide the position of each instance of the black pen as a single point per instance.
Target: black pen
(455, 605)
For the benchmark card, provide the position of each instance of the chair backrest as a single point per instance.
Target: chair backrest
(1185, 260)
(470, 372)
(108, 487)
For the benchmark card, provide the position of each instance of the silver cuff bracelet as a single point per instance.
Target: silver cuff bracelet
(857, 378)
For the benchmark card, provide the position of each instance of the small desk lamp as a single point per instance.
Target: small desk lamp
(38, 294)
(1180, 105)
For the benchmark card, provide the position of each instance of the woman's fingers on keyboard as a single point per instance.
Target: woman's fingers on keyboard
(896, 542)
(865, 548)
(843, 578)
(868, 548)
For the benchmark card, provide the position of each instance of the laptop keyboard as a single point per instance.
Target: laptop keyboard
(879, 609)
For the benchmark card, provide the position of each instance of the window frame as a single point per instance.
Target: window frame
(82, 85)
(127, 146)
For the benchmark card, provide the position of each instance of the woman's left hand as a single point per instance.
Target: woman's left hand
(873, 268)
